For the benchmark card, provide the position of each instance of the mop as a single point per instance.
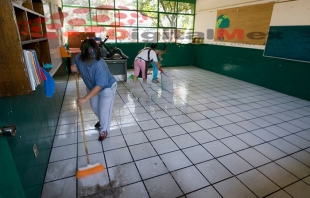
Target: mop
(94, 177)
(166, 82)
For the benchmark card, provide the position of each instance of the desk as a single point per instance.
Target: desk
(117, 67)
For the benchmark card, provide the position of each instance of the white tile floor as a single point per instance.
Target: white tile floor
(214, 136)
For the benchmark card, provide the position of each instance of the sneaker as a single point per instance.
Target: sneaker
(103, 135)
(155, 81)
(97, 125)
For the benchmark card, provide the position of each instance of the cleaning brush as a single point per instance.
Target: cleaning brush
(92, 178)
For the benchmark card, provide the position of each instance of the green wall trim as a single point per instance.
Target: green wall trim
(288, 77)
(176, 55)
(10, 183)
(36, 118)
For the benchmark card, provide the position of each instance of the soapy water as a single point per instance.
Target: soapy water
(144, 90)
(103, 184)
(118, 178)
(173, 93)
(140, 90)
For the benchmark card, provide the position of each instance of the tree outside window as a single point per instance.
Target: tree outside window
(134, 20)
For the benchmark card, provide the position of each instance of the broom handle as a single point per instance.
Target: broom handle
(82, 120)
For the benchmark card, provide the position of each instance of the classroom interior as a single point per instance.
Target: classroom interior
(236, 123)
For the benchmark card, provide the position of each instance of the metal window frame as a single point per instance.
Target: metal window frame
(137, 24)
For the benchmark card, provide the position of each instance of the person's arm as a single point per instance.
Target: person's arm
(159, 56)
(155, 60)
(74, 69)
(159, 53)
(90, 95)
(158, 66)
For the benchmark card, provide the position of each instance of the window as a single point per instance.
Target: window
(126, 5)
(168, 6)
(83, 3)
(132, 20)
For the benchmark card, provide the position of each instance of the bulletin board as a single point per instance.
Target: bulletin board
(252, 20)
(289, 32)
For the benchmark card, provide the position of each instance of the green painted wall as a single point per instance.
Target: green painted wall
(176, 55)
(288, 77)
(10, 185)
(35, 117)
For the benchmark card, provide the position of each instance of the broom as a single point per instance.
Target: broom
(92, 177)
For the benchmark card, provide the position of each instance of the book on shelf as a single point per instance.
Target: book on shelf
(33, 68)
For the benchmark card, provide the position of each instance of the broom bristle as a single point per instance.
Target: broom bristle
(89, 170)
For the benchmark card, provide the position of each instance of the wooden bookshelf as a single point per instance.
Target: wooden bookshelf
(33, 41)
(41, 13)
(23, 27)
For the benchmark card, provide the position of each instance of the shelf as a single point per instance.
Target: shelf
(26, 9)
(33, 41)
(22, 23)
(38, 6)
(25, 29)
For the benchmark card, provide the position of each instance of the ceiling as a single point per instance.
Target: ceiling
(204, 5)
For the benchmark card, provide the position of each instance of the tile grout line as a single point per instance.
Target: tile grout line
(222, 138)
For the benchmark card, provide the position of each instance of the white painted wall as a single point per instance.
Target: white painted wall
(208, 5)
(56, 2)
(291, 13)
(205, 21)
(285, 13)
(54, 44)
(205, 5)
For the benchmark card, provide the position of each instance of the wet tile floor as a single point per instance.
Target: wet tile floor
(210, 136)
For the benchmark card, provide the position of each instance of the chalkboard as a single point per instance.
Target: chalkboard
(289, 42)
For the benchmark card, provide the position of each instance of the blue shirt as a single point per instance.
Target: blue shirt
(96, 74)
